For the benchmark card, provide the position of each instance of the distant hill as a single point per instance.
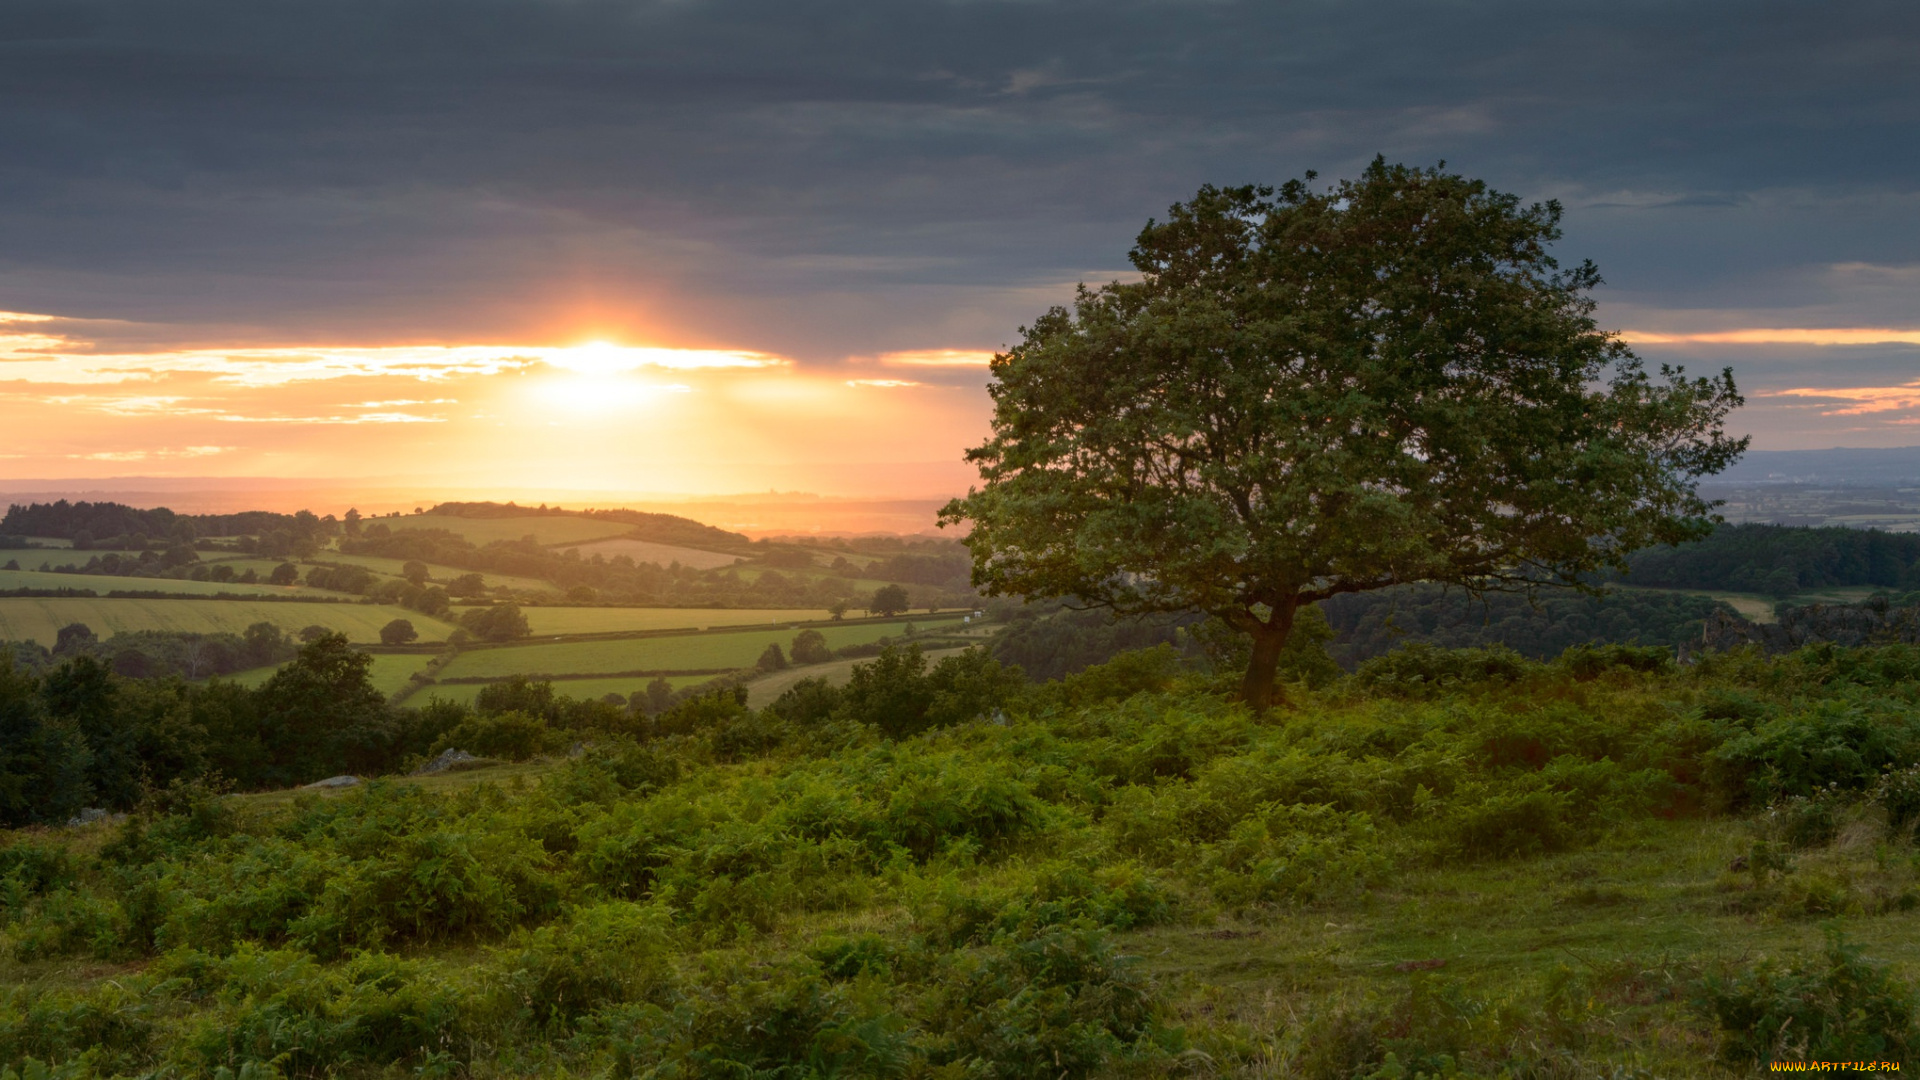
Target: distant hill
(99, 520)
(659, 528)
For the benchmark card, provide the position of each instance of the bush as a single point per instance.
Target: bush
(810, 647)
(1418, 668)
(514, 736)
(1586, 662)
(1844, 1009)
(1833, 744)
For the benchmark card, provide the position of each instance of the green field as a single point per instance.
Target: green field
(700, 652)
(436, 572)
(484, 531)
(40, 618)
(104, 583)
(581, 689)
(646, 551)
(390, 671)
(547, 621)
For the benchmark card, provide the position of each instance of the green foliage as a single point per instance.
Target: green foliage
(798, 892)
(398, 632)
(1845, 1009)
(1212, 438)
(810, 647)
(898, 695)
(1417, 668)
(514, 736)
(496, 622)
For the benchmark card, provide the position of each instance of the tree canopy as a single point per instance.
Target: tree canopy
(1318, 391)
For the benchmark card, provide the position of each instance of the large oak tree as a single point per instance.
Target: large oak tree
(1314, 391)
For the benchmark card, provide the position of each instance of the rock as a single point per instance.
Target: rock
(447, 760)
(87, 817)
(332, 782)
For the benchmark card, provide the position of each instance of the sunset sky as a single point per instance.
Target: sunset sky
(707, 247)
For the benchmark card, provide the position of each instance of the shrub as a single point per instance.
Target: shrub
(1843, 1009)
(1840, 744)
(810, 647)
(1586, 662)
(1419, 668)
(603, 954)
(514, 736)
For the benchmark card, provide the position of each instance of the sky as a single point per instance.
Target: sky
(697, 247)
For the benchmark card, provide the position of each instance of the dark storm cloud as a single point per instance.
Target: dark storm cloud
(832, 178)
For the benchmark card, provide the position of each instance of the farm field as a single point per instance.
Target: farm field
(40, 618)
(390, 671)
(104, 583)
(483, 531)
(761, 692)
(1757, 608)
(698, 652)
(547, 621)
(580, 689)
(646, 551)
(435, 571)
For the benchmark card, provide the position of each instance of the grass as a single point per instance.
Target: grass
(691, 652)
(549, 621)
(40, 618)
(105, 583)
(436, 573)
(579, 689)
(646, 551)
(484, 531)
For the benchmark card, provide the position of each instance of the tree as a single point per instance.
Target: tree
(810, 647)
(321, 714)
(501, 622)
(888, 600)
(284, 574)
(772, 659)
(837, 609)
(398, 632)
(414, 571)
(1318, 392)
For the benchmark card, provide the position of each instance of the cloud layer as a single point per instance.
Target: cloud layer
(268, 193)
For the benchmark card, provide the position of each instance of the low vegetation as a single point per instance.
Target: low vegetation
(1453, 863)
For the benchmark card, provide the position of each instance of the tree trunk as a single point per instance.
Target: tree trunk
(1269, 638)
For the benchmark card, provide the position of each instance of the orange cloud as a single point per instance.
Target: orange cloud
(603, 416)
(1865, 399)
(1781, 336)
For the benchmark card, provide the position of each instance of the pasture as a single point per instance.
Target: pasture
(646, 551)
(548, 531)
(690, 652)
(437, 573)
(40, 618)
(548, 621)
(105, 583)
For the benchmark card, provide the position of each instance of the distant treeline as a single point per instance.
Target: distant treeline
(1367, 625)
(102, 520)
(658, 528)
(149, 654)
(1781, 560)
(1050, 642)
(621, 579)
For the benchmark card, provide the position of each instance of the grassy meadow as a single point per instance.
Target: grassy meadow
(105, 583)
(692, 652)
(548, 621)
(663, 554)
(547, 531)
(1447, 865)
(40, 618)
(393, 568)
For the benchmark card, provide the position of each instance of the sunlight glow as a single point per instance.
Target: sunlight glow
(1782, 336)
